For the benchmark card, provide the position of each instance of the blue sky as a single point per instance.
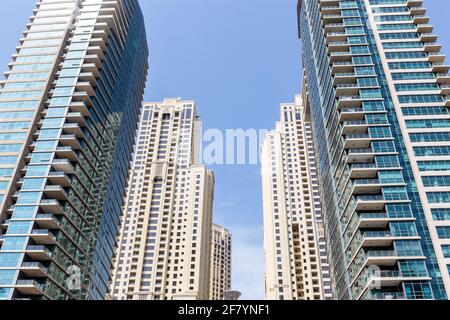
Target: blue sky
(239, 60)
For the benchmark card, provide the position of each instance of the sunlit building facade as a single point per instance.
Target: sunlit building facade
(378, 87)
(164, 246)
(69, 107)
(220, 279)
(296, 262)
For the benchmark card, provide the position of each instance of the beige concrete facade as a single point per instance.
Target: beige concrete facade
(296, 264)
(164, 246)
(220, 262)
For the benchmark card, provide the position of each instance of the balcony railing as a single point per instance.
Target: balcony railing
(381, 253)
(376, 234)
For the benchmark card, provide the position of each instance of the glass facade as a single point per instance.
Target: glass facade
(378, 84)
(69, 107)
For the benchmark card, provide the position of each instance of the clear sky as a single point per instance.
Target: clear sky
(239, 59)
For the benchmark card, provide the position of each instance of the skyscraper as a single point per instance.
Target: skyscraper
(296, 263)
(377, 84)
(69, 108)
(220, 279)
(164, 247)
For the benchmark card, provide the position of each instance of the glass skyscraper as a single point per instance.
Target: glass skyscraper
(377, 85)
(69, 107)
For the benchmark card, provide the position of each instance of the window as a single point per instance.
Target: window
(9, 259)
(446, 251)
(19, 227)
(29, 198)
(443, 232)
(406, 248)
(7, 277)
(441, 214)
(14, 243)
(418, 290)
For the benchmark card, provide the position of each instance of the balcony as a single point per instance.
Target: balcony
(92, 67)
(85, 86)
(351, 114)
(363, 170)
(70, 140)
(66, 152)
(96, 50)
(59, 178)
(428, 37)
(93, 58)
(385, 296)
(366, 186)
(441, 67)
(47, 221)
(360, 155)
(338, 46)
(43, 236)
(63, 165)
(336, 37)
(38, 253)
(34, 269)
(421, 19)
(445, 89)
(51, 206)
(328, 10)
(349, 102)
(395, 278)
(79, 107)
(341, 56)
(30, 287)
(443, 78)
(432, 47)
(386, 258)
(384, 279)
(344, 78)
(5, 224)
(355, 127)
(377, 239)
(414, 3)
(334, 27)
(73, 128)
(347, 89)
(55, 192)
(374, 220)
(392, 279)
(418, 11)
(342, 67)
(76, 117)
(436, 57)
(424, 28)
(357, 141)
(370, 203)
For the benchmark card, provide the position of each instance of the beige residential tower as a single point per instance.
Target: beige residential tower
(164, 246)
(220, 262)
(296, 263)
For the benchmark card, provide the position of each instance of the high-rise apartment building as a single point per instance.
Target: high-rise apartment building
(378, 86)
(296, 263)
(220, 279)
(164, 246)
(69, 107)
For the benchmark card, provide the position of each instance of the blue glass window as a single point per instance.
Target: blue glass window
(7, 277)
(14, 243)
(9, 259)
